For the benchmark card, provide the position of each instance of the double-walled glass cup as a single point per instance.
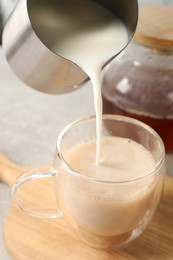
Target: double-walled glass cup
(100, 219)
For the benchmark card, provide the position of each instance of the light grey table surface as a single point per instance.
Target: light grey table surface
(31, 121)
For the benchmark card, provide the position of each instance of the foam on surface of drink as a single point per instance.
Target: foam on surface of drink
(121, 159)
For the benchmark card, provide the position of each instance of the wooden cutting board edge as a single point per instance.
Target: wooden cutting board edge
(16, 220)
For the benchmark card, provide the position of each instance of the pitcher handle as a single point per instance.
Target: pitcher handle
(38, 173)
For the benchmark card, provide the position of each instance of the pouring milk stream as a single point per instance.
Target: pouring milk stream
(89, 41)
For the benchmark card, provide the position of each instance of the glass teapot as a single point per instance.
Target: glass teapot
(139, 83)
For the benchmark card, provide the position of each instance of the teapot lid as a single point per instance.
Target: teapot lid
(155, 27)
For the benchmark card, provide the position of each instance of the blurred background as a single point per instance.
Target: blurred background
(30, 121)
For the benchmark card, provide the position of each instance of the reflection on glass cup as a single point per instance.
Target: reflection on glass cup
(104, 212)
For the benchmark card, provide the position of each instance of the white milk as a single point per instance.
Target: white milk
(94, 39)
(89, 35)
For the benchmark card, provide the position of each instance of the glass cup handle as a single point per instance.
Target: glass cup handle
(38, 173)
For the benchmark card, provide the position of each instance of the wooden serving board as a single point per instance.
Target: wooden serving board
(29, 238)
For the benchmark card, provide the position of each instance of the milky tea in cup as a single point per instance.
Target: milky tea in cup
(112, 202)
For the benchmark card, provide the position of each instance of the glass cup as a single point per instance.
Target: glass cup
(103, 213)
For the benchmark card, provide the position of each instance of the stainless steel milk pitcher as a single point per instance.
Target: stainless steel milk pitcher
(36, 64)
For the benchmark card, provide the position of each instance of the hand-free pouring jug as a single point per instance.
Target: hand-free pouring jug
(33, 61)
